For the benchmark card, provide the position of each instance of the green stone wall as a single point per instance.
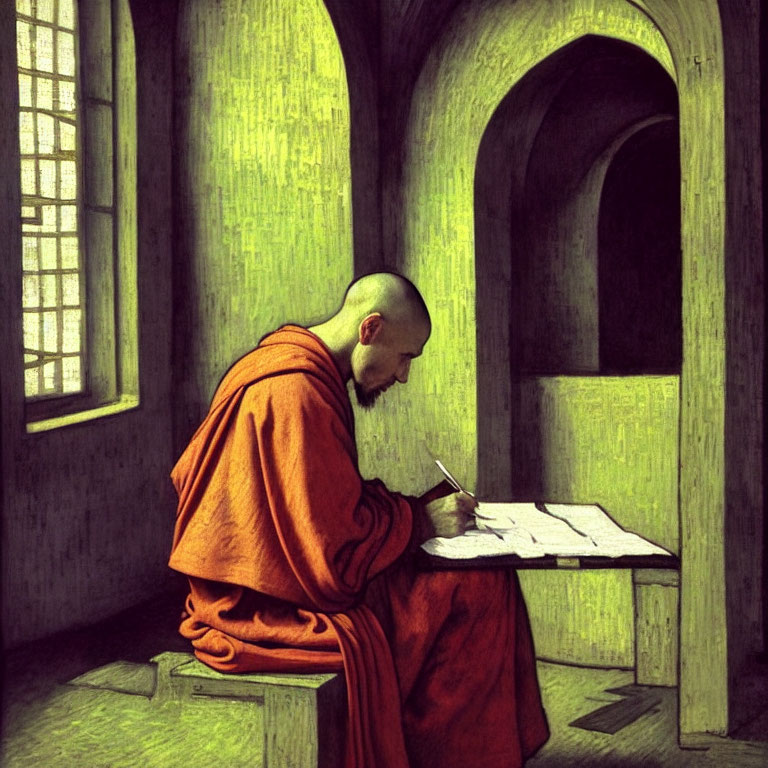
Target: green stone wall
(606, 440)
(265, 234)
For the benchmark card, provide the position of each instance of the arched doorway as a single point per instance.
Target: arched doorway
(564, 410)
(480, 57)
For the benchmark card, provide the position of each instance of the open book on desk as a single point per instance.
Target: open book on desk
(548, 535)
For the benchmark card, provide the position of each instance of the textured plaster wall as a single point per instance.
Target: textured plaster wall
(605, 440)
(264, 217)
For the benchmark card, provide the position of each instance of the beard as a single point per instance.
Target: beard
(366, 398)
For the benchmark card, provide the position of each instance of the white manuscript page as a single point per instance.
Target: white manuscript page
(536, 530)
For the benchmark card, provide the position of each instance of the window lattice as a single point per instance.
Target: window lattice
(50, 168)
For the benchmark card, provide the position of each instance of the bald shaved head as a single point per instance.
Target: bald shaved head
(388, 293)
(382, 324)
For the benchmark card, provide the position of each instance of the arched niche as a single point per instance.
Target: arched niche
(550, 425)
(476, 64)
(544, 281)
(485, 50)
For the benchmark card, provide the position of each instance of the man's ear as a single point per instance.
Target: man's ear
(370, 328)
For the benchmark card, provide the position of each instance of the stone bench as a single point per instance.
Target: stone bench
(303, 716)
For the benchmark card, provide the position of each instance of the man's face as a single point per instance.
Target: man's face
(383, 355)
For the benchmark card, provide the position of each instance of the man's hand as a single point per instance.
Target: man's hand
(451, 515)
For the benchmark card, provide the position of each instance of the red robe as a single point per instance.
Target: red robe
(296, 563)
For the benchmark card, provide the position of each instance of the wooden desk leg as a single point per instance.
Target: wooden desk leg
(656, 626)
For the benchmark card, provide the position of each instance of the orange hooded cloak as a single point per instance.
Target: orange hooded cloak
(280, 537)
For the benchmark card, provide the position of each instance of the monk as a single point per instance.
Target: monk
(296, 563)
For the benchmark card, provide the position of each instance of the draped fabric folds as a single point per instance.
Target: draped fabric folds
(296, 564)
(280, 535)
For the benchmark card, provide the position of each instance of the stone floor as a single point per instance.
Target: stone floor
(51, 724)
(648, 742)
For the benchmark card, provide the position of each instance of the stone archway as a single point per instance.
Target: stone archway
(483, 53)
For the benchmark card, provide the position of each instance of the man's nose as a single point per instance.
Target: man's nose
(402, 371)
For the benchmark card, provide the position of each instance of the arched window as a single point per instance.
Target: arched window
(77, 143)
